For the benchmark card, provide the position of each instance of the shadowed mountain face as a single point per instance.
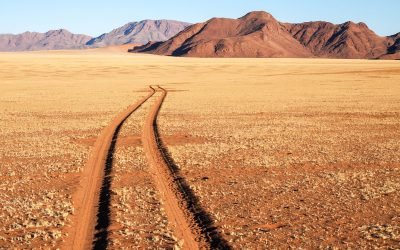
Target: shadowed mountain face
(258, 34)
(51, 40)
(395, 46)
(140, 33)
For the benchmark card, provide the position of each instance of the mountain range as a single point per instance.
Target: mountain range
(51, 40)
(259, 34)
(134, 32)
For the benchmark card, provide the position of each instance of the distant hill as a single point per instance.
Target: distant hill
(131, 33)
(259, 34)
(51, 40)
(140, 33)
(347, 40)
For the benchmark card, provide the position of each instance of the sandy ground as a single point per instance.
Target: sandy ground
(280, 152)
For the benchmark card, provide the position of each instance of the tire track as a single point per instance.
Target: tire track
(91, 229)
(189, 221)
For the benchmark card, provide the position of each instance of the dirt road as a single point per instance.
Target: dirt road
(192, 226)
(92, 181)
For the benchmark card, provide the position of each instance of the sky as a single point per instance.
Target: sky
(96, 17)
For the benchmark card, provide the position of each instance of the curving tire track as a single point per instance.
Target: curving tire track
(90, 224)
(189, 221)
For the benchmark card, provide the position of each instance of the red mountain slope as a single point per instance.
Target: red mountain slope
(347, 40)
(257, 34)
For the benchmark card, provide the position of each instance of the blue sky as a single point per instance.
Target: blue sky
(96, 17)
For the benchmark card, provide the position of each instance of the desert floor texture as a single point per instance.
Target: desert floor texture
(149, 152)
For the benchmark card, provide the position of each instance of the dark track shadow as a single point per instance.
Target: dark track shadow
(202, 218)
(101, 239)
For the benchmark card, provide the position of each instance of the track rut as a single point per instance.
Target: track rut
(189, 221)
(94, 184)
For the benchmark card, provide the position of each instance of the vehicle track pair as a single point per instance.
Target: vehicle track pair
(190, 223)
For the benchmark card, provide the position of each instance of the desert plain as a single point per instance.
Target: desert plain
(276, 153)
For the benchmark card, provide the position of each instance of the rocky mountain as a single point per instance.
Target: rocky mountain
(258, 34)
(347, 40)
(140, 33)
(51, 40)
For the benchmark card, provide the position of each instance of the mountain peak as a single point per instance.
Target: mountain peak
(258, 15)
(140, 32)
(353, 25)
(58, 31)
(362, 24)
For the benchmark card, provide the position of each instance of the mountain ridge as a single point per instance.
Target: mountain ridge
(50, 40)
(259, 34)
(133, 32)
(256, 34)
(346, 40)
(139, 32)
